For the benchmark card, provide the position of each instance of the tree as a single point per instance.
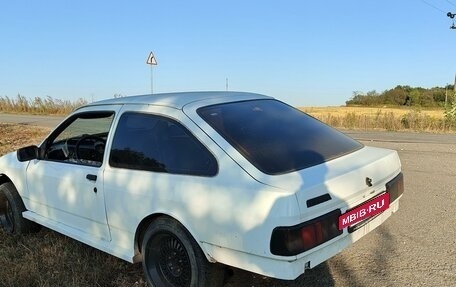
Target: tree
(401, 95)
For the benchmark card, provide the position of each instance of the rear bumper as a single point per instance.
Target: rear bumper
(347, 239)
(289, 268)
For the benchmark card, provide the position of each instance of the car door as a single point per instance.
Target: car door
(66, 182)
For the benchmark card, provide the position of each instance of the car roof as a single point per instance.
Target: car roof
(180, 99)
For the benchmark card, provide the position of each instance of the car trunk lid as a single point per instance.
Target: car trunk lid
(341, 183)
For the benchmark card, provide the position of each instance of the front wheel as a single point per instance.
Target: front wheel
(171, 257)
(11, 208)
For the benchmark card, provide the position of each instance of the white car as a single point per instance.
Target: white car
(189, 183)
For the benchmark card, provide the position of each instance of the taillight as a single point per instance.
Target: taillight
(395, 187)
(289, 241)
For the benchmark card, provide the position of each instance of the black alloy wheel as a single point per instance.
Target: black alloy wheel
(172, 257)
(172, 265)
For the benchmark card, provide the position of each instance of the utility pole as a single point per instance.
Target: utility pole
(454, 85)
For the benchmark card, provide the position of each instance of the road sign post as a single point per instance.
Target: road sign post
(152, 62)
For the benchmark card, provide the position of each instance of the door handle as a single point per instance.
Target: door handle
(91, 177)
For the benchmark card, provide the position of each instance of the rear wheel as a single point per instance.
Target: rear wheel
(171, 257)
(11, 208)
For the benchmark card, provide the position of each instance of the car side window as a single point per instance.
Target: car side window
(81, 140)
(155, 143)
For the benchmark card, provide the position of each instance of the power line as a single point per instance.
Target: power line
(449, 14)
(451, 3)
(433, 6)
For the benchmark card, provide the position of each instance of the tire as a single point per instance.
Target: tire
(11, 208)
(172, 258)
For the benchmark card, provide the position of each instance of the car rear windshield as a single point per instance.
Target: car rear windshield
(275, 137)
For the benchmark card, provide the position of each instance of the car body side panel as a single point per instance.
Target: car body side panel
(237, 214)
(233, 215)
(67, 196)
(15, 171)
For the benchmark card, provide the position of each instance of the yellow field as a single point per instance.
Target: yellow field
(367, 111)
(383, 118)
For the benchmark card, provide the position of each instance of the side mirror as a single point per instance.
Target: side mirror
(27, 153)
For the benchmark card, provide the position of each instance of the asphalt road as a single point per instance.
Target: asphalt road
(415, 247)
(33, 120)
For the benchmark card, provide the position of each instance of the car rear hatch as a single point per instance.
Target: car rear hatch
(341, 183)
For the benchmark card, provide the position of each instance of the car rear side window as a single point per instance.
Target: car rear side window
(159, 144)
(275, 137)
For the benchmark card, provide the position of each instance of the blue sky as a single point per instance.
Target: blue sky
(307, 53)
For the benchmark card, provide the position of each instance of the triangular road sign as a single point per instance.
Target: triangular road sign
(151, 59)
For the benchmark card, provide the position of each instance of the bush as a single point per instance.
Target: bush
(450, 115)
